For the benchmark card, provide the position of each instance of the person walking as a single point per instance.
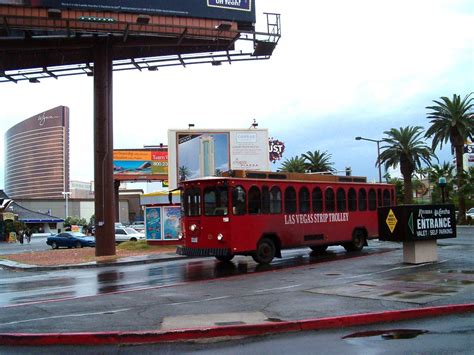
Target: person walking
(28, 236)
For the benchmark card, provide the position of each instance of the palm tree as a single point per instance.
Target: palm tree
(404, 147)
(183, 173)
(317, 161)
(293, 165)
(468, 188)
(436, 171)
(453, 120)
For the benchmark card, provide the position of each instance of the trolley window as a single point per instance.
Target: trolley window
(255, 200)
(239, 201)
(329, 200)
(341, 199)
(362, 200)
(352, 199)
(317, 197)
(192, 202)
(372, 200)
(215, 201)
(275, 200)
(290, 200)
(303, 200)
(386, 197)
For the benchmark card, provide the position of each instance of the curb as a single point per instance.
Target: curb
(143, 337)
(13, 265)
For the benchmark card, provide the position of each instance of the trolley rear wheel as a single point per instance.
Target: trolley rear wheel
(265, 251)
(358, 241)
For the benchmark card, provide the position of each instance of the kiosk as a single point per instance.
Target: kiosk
(162, 217)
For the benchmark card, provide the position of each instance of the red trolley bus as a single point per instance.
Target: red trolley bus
(261, 213)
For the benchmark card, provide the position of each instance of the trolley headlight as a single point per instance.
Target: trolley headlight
(180, 236)
(220, 237)
(192, 227)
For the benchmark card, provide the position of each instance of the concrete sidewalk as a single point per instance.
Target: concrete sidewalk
(130, 260)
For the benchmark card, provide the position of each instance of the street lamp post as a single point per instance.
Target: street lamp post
(378, 152)
(66, 194)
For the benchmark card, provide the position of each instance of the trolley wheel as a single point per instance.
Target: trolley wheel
(78, 245)
(319, 248)
(265, 251)
(358, 241)
(225, 258)
(54, 245)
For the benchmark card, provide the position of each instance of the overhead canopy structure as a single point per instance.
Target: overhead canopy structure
(28, 216)
(51, 38)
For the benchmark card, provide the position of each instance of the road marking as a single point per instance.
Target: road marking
(66, 316)
(198, 301)
(278, 288)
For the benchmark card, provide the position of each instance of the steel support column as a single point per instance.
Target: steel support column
(103, 150)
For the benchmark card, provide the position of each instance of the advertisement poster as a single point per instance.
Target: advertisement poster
(153, 223)
(171, 222)
(234, 10)
(195, 154)
(202, 154)
(468, 155)
(140, 162)
(249, 150)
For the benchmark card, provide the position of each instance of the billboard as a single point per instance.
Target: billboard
(468, 156)
(233, 10)
(199, 153)
(137, 163)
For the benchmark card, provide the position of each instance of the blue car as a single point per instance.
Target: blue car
(70, 240)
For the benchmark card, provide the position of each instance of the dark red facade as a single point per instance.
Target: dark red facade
(37, 156)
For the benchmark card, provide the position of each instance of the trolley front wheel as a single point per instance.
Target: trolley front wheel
(265, 251)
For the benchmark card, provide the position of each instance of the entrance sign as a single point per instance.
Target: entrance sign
(416, 223)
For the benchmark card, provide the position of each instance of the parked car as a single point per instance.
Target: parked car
(128, 234)
(70, 240)
(470, 213)
(139, 227)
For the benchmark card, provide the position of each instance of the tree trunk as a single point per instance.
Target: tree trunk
(407, 171)
(407, 190)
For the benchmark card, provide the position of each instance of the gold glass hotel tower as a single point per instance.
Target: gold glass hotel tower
(37, 156)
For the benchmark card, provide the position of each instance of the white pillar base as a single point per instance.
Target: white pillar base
(419, 252)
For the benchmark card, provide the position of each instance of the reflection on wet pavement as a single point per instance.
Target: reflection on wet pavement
(419, 287)
(390, 334)
(90, 282)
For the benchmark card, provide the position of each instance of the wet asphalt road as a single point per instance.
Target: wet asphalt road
(31, 287)
(36, 244)
(202, 292)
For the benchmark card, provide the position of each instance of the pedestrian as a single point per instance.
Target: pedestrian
(22, 236)
(28, 236)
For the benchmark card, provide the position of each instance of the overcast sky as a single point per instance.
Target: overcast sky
(342, 69)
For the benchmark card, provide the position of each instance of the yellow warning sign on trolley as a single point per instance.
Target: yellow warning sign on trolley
(391, 220)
